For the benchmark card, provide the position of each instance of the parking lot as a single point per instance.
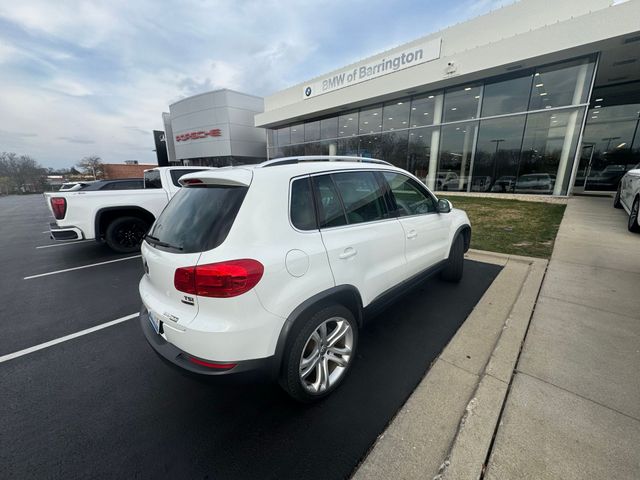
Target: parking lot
(84, 401)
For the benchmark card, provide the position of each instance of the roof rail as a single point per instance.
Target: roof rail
(319, 158)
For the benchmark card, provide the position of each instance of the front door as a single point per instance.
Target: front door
(426, 231)
(584, 168)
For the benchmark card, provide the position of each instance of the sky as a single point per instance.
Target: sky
(81, 78)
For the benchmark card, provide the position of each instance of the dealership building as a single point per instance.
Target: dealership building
(214, 129)
(539, 96)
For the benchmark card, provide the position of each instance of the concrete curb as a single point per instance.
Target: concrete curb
(446, 427)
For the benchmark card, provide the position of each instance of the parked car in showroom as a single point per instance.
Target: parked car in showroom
(535, 183)
(276, 267)
(628, 197)
(117, 211)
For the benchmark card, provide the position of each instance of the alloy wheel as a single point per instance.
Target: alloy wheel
(326, 355)
(130, 235)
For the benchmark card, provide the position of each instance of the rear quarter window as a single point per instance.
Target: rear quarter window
(302, 211)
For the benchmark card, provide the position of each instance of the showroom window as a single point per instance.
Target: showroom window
(395, 115)
(462, 103)
(561, 85)
(544, 150)
(271, 138)
(312, 131)
(349, 146)
(495, 164)
(393, 147)
(370, 120)
(297, 133)
(456, 147)
(506, 96)
(419, 152)
(329, 128)
(371, 146)
(284, 136)
(423, 110)
(348, 124)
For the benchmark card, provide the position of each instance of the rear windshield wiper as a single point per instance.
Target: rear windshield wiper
(160, 243)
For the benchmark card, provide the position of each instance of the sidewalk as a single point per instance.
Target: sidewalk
(573, 410)
(542, 381)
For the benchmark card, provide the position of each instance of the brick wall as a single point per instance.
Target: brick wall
(120, 170)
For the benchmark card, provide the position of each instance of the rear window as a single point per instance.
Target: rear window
(152, 179)
(197, 219)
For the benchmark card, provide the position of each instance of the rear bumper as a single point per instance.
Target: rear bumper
(63, 234)
(179, 358)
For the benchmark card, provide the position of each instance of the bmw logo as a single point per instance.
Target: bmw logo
(307, 91)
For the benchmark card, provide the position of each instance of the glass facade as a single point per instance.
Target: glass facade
(515, 133)
(611, 139)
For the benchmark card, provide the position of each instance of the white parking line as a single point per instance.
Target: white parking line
(63, 244)
(79, 268)
(50, 343)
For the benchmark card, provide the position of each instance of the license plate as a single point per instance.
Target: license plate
(155, 323)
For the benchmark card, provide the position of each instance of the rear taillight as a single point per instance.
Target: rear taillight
(220, 280)
(59, 207)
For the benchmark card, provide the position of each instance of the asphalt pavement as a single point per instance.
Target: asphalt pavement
(102, 405)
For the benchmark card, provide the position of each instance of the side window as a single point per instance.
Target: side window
(362, 196)
(152, 179)
(303, 215)
(410, 197)
(330, 211)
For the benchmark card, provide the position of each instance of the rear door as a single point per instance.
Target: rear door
(364, 243)
(426, 232)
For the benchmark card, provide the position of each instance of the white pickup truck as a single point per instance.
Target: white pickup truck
(119, 217)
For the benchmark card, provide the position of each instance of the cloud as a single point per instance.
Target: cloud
(93, 77)
(83, 141)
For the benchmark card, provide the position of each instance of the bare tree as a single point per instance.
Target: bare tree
(21, 173)
(92, 165)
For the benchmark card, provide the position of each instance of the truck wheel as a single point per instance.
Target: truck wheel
(318, 358)
(455, 264)
(124, 234)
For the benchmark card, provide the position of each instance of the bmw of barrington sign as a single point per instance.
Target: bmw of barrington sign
(411, 56)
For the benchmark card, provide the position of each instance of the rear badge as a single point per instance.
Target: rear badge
(171, 317)
(188, 300)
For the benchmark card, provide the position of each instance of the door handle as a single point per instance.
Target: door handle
(412, 234)
(348, 253)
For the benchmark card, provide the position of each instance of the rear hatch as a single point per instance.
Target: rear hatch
(197, 219)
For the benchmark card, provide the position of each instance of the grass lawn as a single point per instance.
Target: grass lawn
(511, 226)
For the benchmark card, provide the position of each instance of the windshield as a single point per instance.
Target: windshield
(197, 219)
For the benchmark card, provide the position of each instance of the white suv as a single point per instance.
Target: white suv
(276, 266)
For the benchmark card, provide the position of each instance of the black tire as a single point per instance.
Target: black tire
(290, 376)
(455, 263)
(633, 216)
(125, 234)
(616, 199)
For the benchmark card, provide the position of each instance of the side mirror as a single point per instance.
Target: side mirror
(444, 206)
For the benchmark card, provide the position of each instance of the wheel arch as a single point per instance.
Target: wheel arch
(465, 231)
(106, 215)
(346, 295)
